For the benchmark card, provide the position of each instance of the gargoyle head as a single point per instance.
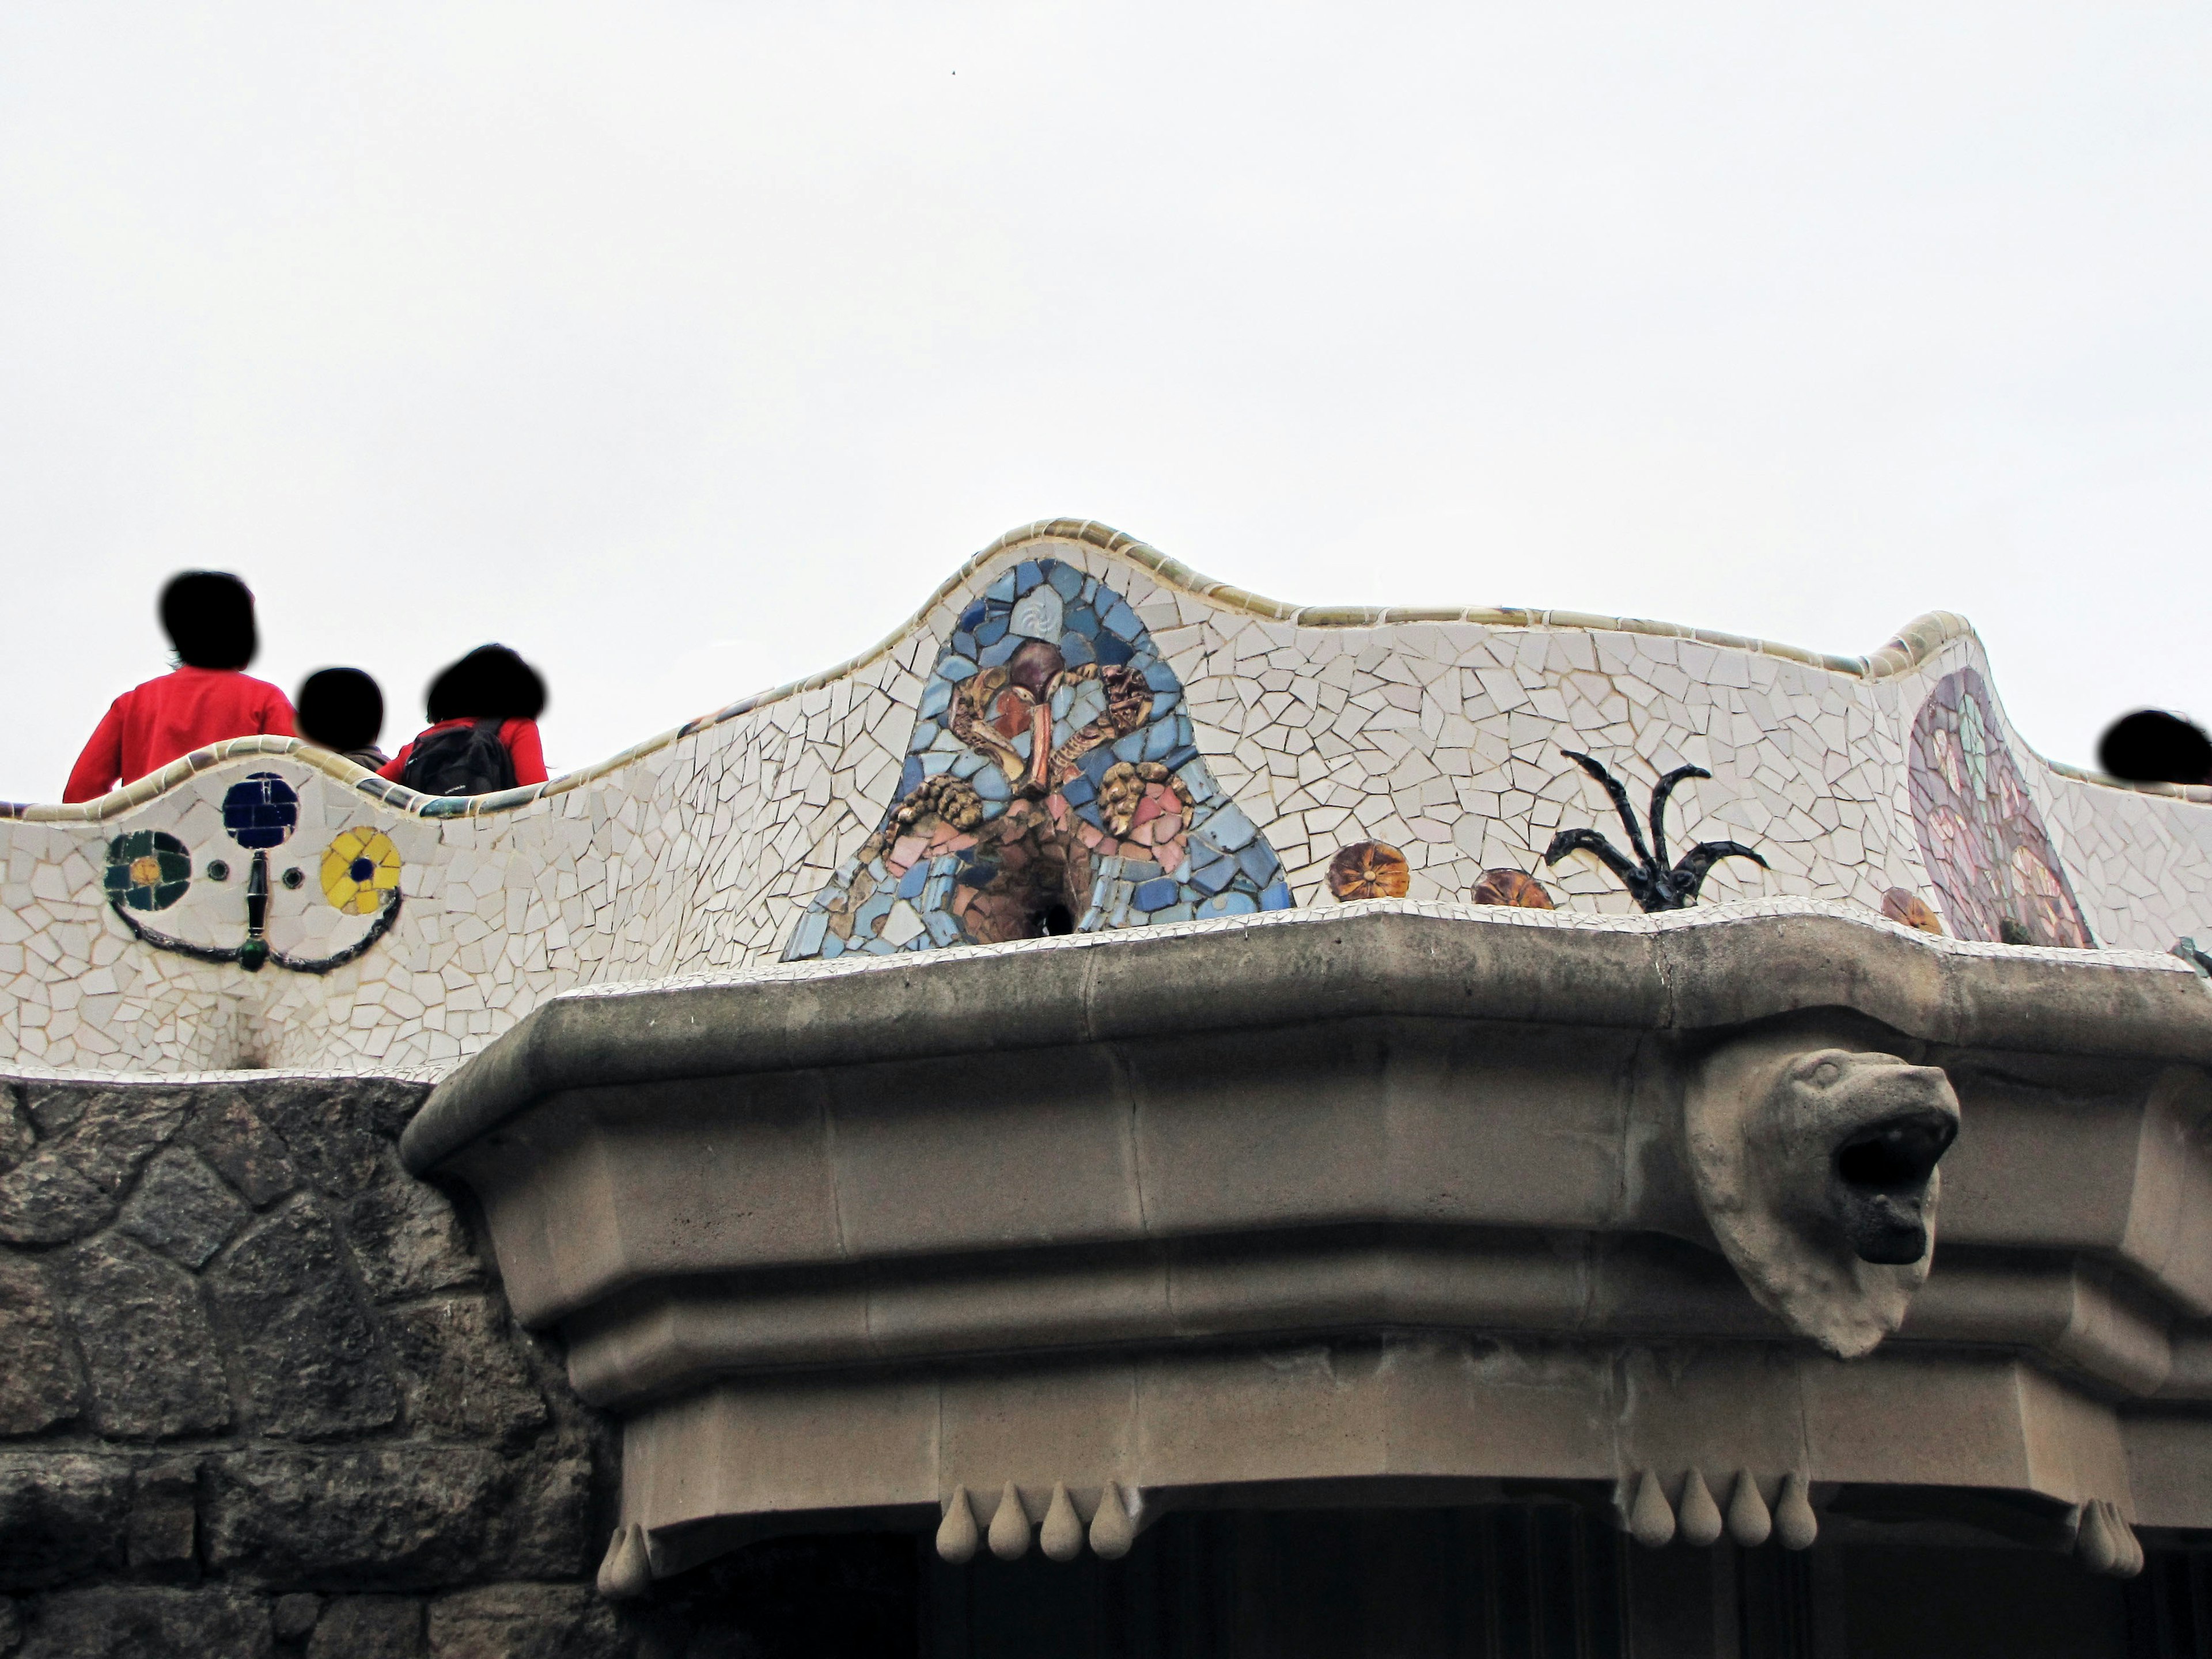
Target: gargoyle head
(1816, 1168)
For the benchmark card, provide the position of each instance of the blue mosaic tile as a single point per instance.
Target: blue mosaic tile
(1230, 829)
(1156, 894)
(1214, 874)
(1229, 904)
(1258, 862)
(1120, 822)
(811, 926)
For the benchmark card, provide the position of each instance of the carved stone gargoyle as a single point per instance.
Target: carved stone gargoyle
(1816, 1168)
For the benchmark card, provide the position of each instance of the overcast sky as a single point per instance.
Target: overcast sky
(687, 348)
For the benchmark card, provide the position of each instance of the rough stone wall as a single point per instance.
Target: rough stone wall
(260, 1393)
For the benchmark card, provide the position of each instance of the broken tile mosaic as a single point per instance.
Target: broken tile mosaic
(720, 846)
(1053, 785)
(1985, 846)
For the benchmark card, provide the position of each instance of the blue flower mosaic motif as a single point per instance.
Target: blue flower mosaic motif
(261, 811)
(1051, 785)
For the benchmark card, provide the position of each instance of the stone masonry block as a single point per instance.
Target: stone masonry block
(394, 1518)
(138, 1624)
(39, 1383)
(61, 1516)
(407, 1240)
(369, 1627)
(463, 1377)
(549, 1518)
(301, 1336)
(45, 1201)
(146, 1340)
(523, 1621)
(231, 1135)
(17, 1137)
(164, 1519)
(183, 1209)
(294, 1615)
(55, 1106)
(339, 1131)
(118, 1130)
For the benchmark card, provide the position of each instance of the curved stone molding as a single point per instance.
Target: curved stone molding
(1391, 1200)
(1817, 1168)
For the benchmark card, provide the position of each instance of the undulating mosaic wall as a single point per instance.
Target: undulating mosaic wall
(1075, 733)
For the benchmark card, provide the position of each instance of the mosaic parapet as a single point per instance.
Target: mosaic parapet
(1417, 751)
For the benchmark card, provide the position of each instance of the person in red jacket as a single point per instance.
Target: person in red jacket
(208, 617)
(483, 735)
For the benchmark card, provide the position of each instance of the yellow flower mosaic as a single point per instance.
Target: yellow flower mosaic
(360, 868)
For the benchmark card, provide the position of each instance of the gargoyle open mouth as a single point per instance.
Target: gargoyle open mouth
(1881, 1175)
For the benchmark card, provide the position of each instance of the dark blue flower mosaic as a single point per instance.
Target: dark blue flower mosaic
(1051, 785)
(261, 811)
(147, 870)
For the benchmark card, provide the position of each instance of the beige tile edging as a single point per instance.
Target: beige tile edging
(1915, 643)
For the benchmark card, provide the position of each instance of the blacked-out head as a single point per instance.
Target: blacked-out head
(2153, 746)
(339, 708)
(208, 617)
(491, 682)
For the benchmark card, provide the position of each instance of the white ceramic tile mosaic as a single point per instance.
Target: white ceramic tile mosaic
(702, 854)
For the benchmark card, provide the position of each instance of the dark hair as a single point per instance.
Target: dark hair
(2152, 746)
(340, 709)
(491, 682)
(208, 617)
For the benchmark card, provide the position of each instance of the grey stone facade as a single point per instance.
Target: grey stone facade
(262, 1394)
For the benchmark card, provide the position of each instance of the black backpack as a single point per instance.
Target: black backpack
(462, 760)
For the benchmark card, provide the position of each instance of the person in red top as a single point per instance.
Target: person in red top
(482, 734)
(208, 617)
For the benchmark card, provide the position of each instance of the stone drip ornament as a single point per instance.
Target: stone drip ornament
(1648, 881)
(1062, 1531)
(1816, 1169)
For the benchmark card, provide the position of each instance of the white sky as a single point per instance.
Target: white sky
(687, 348)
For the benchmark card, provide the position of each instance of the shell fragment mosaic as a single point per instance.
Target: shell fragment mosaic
(1076, 735)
